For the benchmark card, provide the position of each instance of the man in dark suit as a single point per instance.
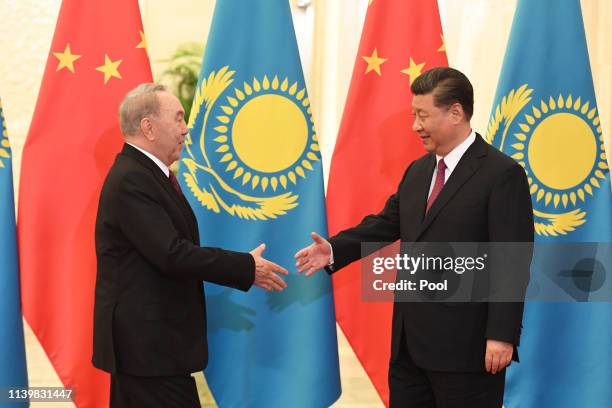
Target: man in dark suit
(462, 190)
(149, 314)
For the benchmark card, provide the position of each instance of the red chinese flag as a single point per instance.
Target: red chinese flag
(97, 55)
(400, 40)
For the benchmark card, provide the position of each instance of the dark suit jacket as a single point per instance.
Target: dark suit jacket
(149, 314)
(485, 199)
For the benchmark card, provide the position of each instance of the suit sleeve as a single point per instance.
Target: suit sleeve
(147, 225)
(383, 227)
(510, 221)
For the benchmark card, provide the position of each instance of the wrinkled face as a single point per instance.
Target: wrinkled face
(168, 128)
(435, 125)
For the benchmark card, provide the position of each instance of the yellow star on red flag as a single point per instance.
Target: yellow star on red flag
(143, 40)
(66, 59)
(110, 68)
(374, 62)
(413, 71)
(443, 46)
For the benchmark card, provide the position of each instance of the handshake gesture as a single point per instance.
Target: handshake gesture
(309, 259)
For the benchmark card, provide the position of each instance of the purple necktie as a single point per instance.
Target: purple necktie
(437, 185)
(175, 183)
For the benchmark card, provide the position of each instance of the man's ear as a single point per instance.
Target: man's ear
(457, 113)
(146, 126)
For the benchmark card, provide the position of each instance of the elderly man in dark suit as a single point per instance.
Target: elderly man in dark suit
(462, 190)
(150, 315)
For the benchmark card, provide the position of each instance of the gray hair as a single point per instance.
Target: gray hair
(139, 103)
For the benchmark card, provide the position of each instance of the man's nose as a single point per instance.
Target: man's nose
(416, 125)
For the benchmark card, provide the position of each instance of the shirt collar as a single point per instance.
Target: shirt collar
(159, 163)
(452, 158)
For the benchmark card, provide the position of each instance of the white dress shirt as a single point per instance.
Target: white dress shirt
(159, 163)
(451, 160)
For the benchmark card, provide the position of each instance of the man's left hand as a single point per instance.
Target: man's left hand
(498, 355)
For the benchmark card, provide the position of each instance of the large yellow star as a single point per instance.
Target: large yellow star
(143, 40)
(110, 68)
(374, 62)
(443, 46)
(66, 59)
(413, 71)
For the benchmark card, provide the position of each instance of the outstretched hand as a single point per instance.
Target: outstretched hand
(266, 272)
(315, 256)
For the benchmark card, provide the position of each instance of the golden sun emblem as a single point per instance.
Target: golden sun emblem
(559, 143)
(260, 140)
(269, 143)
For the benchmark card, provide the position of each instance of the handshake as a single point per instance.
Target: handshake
(309, 259)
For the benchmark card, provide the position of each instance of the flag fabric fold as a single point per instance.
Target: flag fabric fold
(251, 170)
(13, 370)
(98, 53)
(400, 40)
(545, 117)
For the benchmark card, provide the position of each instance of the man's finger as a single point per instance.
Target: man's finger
(301, 253)
(275, 279)
(317, 238)
(277, 268)
(259, 250)
(496, 363)
(488, 361)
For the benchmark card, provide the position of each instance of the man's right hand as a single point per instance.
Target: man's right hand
(315, 256)
(266, 272)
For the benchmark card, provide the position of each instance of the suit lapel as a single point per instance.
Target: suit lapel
(469, 163)
(164, 181)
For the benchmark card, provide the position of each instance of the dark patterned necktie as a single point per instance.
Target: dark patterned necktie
(437, 185)
(175, 183)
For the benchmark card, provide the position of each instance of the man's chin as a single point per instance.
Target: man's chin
(428, 145)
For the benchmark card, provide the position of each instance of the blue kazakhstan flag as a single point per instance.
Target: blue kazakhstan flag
(545, 116)
(12, 350)
(251, 169)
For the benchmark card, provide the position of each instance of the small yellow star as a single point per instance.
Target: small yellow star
(66, 59)
(443, 46)
(110, 68)
(413, 71)
(374, 62)
(143, 40)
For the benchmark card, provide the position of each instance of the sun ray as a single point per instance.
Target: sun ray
(232, 101)
(255, 181)
(292, 177)
(246, 178)
(293, 88)
(231, 166)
